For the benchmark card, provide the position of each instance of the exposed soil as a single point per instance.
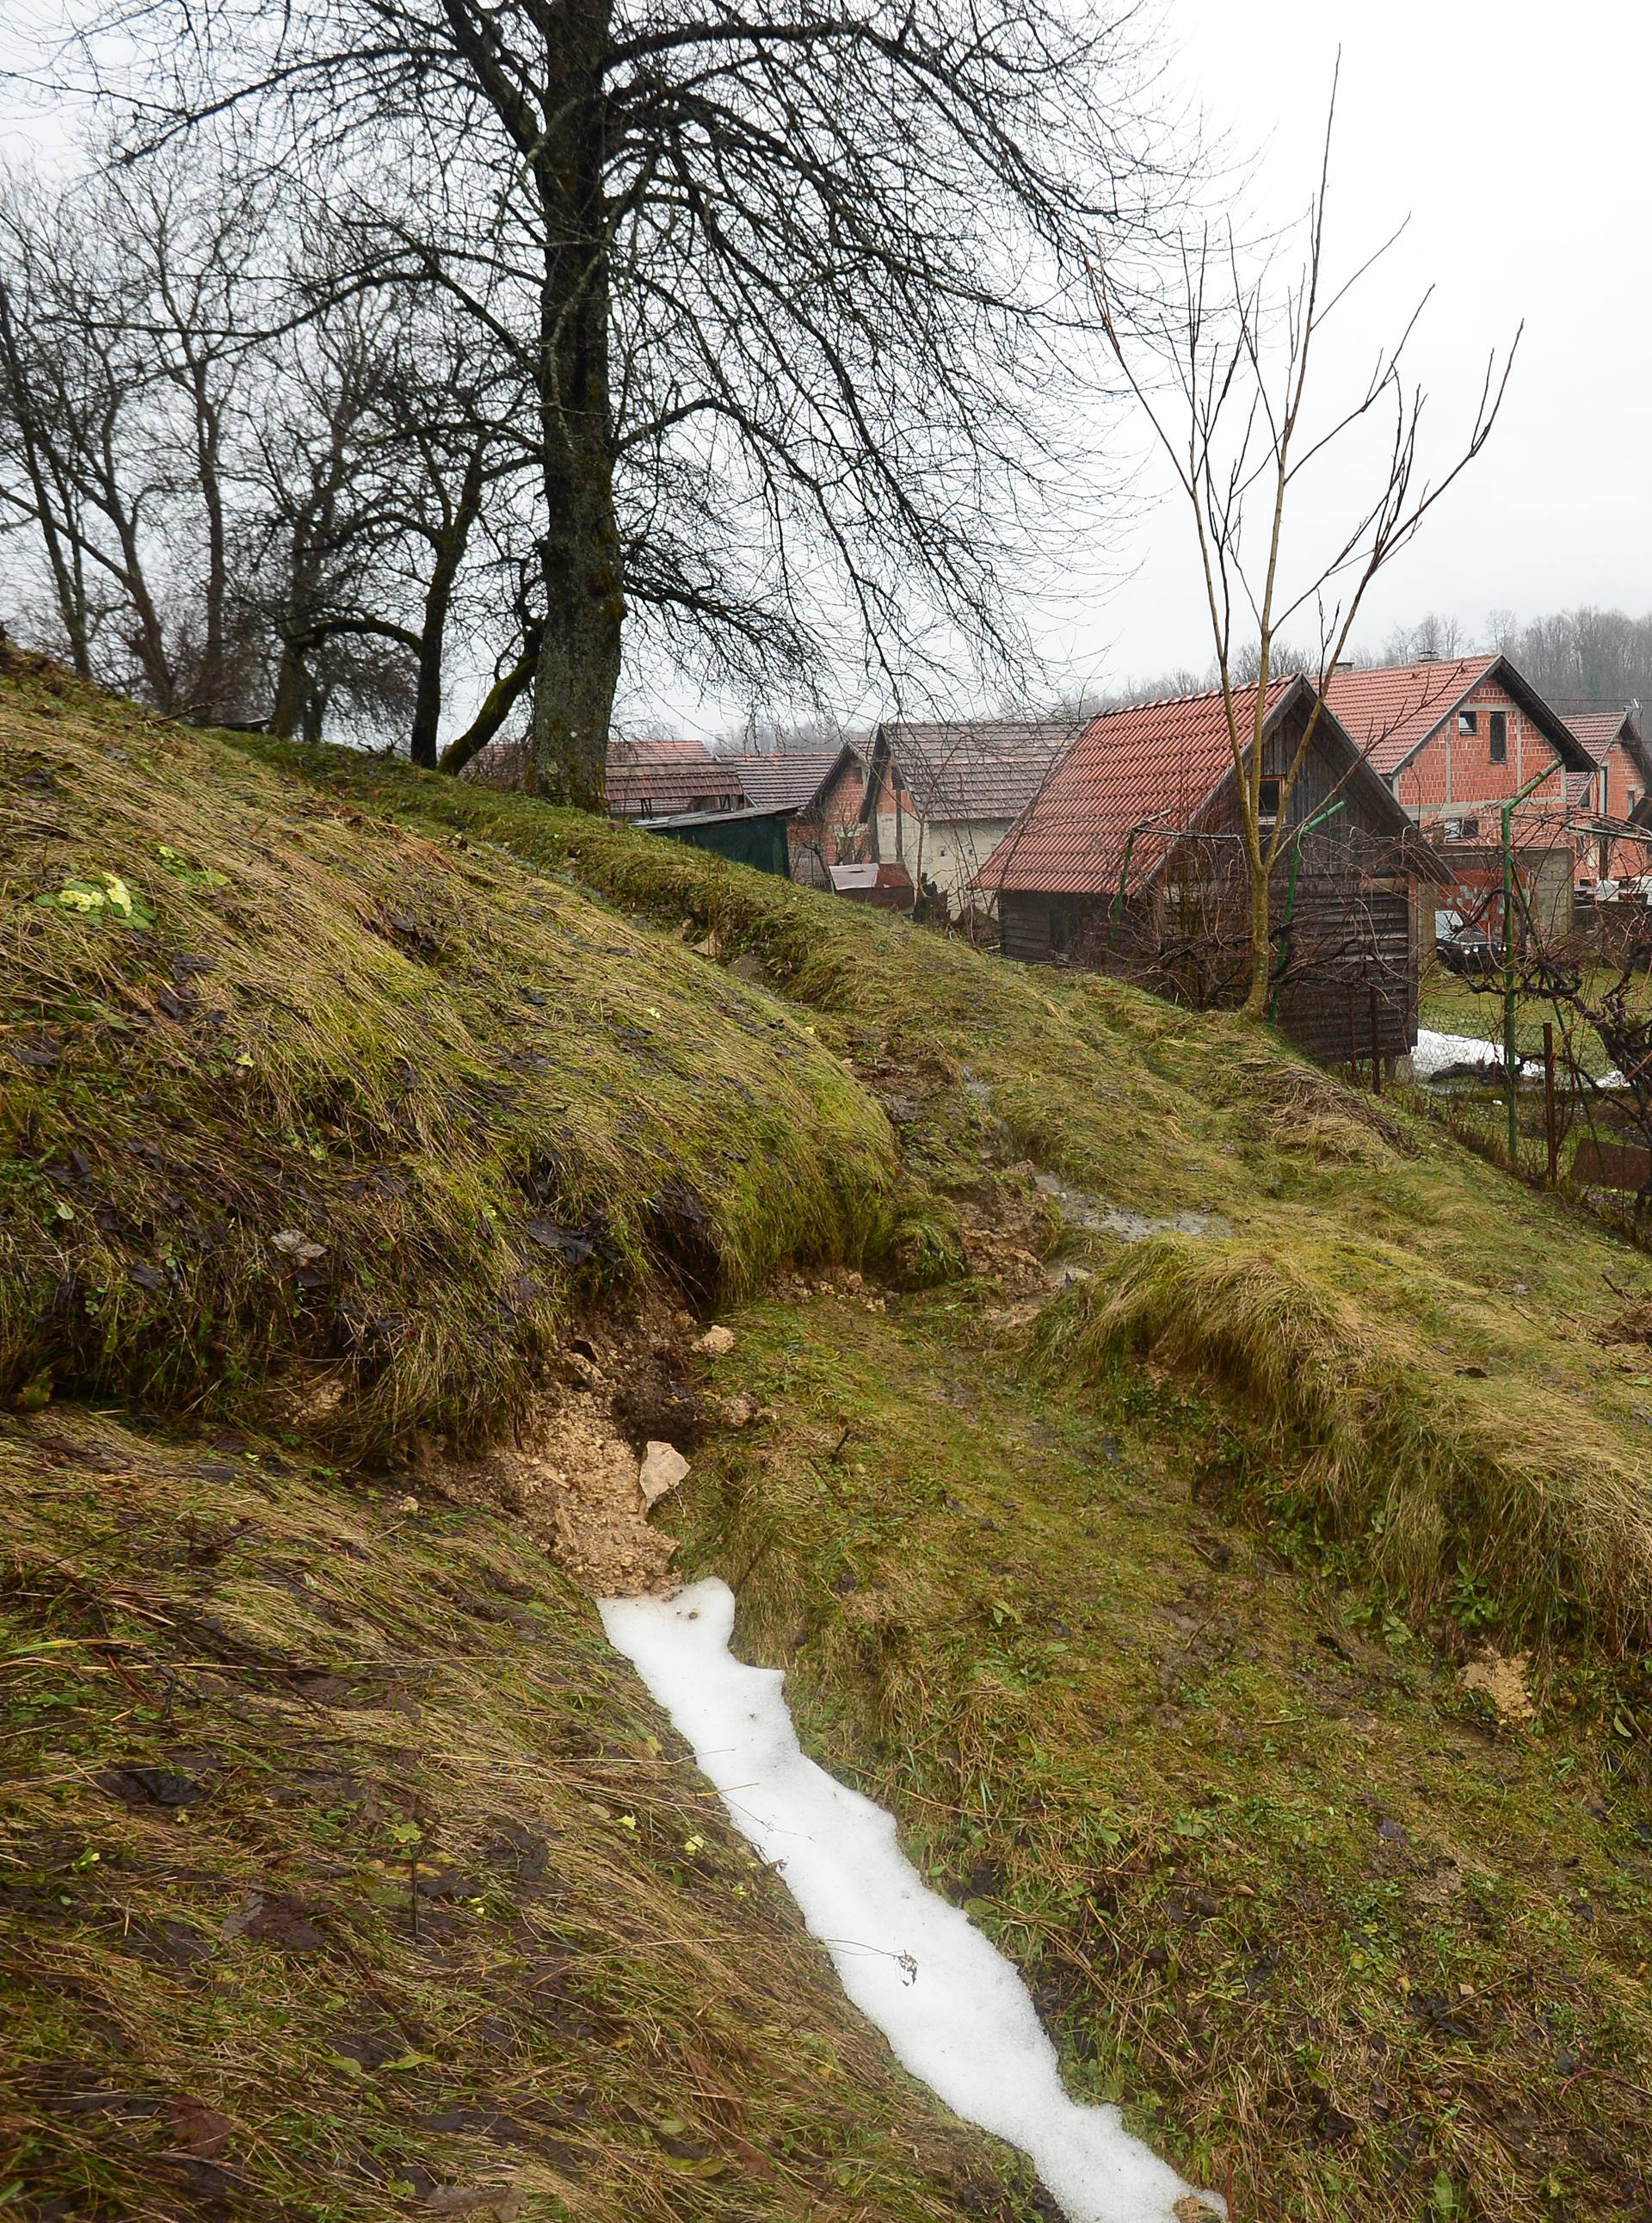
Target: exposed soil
(574, 1476)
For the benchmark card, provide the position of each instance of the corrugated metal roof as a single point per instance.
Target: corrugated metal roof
(788, 778)
(1391, 710)
(1149, 771)
(974, 768)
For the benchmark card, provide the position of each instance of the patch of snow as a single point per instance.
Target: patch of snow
(955, 2011)
(1436, 1053)
(1079, 1209)
(1439, 1052)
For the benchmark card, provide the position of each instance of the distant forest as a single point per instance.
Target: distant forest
(1574, 657)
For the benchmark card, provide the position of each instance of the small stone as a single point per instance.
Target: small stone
(663, 1467)
(716, 1343)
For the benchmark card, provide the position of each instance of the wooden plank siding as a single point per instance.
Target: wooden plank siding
(1356, 917)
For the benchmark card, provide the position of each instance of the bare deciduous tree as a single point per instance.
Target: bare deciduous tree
(1222, 373)
(125, 303)
(797, 292)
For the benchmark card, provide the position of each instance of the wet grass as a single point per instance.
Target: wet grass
(1343, 1944)
(338, 1106)
(346, 1874)
(1148, 1632)
(1439, 1274)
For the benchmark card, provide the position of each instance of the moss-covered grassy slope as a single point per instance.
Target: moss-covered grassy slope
(345, 1873)
(293, 1095)
(1343, 1943)
(1420, 1335)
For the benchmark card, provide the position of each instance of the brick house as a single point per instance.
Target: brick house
(939, 798)
(1129, 861)
(645, 779)
(1612, 735)
(1453, 741)
(823, 789)
(664, 779)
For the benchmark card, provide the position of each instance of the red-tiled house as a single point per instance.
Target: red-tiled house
(1454, 739)
(941, 797)
(1612, 735)
(645, 780)
(664, 779)
(1129, 858)
(823, 789)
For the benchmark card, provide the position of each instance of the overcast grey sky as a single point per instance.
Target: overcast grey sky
(1515, 138)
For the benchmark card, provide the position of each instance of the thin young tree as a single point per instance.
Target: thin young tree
(1225, 372)
(798, 291)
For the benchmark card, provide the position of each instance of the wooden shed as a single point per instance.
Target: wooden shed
(1131, 861)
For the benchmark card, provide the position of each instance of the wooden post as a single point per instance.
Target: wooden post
(1354, 1036)
(1376, 1044)
(1549, 1129)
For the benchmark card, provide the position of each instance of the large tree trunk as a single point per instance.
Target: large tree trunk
(580, 558)
(438, 603)
(291, 690)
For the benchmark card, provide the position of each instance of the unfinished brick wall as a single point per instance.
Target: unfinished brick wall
(1625, 783)
(1454, 771)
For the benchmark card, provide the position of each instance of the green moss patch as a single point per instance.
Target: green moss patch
(340, 1103)
(1340, 1940)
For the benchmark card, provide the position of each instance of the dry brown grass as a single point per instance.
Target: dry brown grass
(343, 1872)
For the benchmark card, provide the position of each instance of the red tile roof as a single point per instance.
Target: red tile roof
(659, 778)
(1391, 710)
(1597, 730)
(1150, 769)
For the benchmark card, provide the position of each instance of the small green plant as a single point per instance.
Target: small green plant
(102, 899)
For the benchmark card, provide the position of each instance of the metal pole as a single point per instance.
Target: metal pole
(1549, 1131)
(1509, 1058)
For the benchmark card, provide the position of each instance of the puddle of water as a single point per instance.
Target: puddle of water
(955, 2011)
(1079, 1209)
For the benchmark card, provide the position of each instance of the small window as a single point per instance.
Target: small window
(1269, 810)
(1468, 721)
(1498, 736)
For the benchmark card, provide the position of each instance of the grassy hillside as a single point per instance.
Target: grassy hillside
(346, 1874)
(1423, 1337)
(392, 1109)
(290, 1095)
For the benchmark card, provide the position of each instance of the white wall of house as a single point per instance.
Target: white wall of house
(949, 852)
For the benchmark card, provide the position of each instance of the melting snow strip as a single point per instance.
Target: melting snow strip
(1436, 1052)
(955, 2011)
(1439, 1052)
(1079, 1209)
